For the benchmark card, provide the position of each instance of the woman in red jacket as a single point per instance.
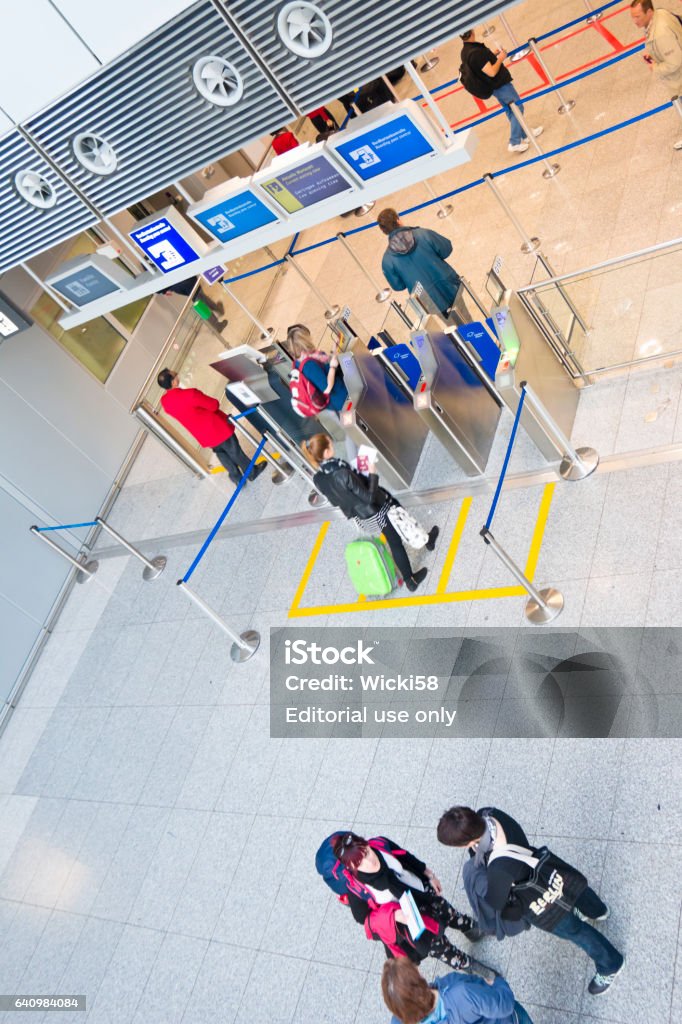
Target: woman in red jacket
(201, 415)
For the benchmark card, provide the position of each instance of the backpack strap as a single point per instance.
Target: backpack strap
(520, 853)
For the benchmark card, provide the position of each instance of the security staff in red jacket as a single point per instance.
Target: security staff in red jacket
(202, 417)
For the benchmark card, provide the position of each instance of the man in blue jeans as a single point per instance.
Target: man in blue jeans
(485, 75)
(495, 839)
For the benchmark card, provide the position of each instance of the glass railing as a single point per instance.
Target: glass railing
(614, 315)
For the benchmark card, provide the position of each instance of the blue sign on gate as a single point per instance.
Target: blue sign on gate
(164, 245)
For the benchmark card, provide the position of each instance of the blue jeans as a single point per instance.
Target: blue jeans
(606, 957)
(505, 95)
(521, 1014)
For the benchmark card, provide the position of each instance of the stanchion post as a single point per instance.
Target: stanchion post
(266, 333)
(576, 463)
(550, 169)
(280, 473)
(565, 105)
(488, 30)
(86, 569)
(429, 63)
(244, 645)
(677, 104)
(331, 309)
(444, 209)
(382, 294)
(515, 43)
(542, 605)
(530, 243)
(594, 15)
(152, 568)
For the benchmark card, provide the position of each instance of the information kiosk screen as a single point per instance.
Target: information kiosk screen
(384, 148)
(306, 184)
(235, 216)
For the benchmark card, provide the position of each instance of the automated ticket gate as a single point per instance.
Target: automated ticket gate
(379, 412)
(454, 399)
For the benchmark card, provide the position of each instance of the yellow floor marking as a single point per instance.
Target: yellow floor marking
(261, 458)
(441, 596)
(454, 546)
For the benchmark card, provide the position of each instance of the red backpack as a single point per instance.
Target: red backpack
(306, 399)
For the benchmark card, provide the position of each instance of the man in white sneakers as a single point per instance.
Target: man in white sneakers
(663, 31)
(484, 74)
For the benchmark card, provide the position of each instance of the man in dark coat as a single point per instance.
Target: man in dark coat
(418, 255)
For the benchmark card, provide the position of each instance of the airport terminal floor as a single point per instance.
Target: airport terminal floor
(157, 845)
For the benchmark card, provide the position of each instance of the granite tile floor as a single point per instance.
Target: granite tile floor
(156, 844)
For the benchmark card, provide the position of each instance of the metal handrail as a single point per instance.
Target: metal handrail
(614, 261)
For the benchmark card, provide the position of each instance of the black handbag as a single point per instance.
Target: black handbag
(552, 888)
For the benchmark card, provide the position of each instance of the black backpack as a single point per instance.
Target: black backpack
(474, 83)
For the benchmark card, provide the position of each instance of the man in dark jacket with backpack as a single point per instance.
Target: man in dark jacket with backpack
(483, 74)
(534, 885)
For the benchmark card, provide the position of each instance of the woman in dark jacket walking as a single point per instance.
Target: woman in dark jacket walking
(362, 499)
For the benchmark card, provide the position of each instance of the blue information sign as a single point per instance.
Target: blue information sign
(213, 274)
(235, 216)
(384, 148)
(164, 245)
(403, 357)
(479, 338)
(85, 285)
(306, 184)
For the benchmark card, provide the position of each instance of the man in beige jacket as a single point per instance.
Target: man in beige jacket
(663, 31)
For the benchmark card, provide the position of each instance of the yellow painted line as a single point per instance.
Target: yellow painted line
(310, 565)
(407, 602)
(261, 458)
(454, 546)
(539, 531)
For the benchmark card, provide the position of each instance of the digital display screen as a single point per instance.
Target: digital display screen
(85, 285)
(235, 216)
(11, 320)
(384, 148)
(307, 184)
(164, 245)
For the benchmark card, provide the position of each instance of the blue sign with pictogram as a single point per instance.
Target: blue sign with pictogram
(164, 245)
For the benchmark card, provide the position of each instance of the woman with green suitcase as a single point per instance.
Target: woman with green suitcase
(375, 511)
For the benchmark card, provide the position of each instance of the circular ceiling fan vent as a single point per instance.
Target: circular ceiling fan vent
(304, 29)
(93, 153)
(218, 81)
(35, 189)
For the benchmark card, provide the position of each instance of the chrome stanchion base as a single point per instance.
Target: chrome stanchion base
(430, 64)
(445, 211)
(315, 499)
(277, 478)
(531, 245)
(549, 172)
(593, 17)
(488, 31)
(565, 107)
(363, 210)
(383, 296)
(268, 335)
(330, 314)
(242, 654)
(158, 565)
(89, 569)
(519, 55)
(578, 469)
(539, 614)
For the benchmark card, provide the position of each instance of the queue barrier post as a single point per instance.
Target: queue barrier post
(382, 294)
(444, 209)
(529, 242)
(521, 51)
(488, 30)
(331, 309)
(86, 569)
(152, 567)
(677, 104)
(565, 105)
(429, 63)
(594, 15)
(542, 605)
(266, 333)
(576, 463)
(550, 169)
(244, 645)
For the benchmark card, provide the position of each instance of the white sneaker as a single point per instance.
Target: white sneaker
(678, 144)
(520, 147)
(537, 131)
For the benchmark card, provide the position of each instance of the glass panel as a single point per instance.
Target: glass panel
(130, 316)
(96, 344)
(633, 309)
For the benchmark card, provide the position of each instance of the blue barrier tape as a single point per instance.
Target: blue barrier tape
(223, 515)
(246, 412)
(290, 250)
(584, 74)
(64, 526)
(512, 438)
(315, 245)
(576, 21)
(258, 270)
(347, 117)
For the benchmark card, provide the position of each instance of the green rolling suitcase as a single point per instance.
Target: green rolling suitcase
(371, 567)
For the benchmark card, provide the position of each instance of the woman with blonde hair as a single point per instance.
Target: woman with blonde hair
(362, 499)
(455, 998)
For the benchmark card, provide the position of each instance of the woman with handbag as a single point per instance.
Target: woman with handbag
(534, 885)
(372, 507)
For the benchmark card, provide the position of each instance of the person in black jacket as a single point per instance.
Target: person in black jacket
(381, 872)
(488, 831)
(362, 499)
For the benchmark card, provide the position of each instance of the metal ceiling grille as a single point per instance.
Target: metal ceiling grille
(151, 108)
(28, 225)
(351, 42)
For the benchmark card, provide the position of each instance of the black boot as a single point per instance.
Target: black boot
(258, 469)
(433, 537)
(474, 933)
(415, 579)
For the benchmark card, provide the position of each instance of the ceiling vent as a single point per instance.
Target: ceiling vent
(94, 153)
(35, 189)
(218, 81)
(304, 29)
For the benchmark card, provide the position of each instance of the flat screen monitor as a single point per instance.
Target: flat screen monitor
(305, 184)
(234, 216)
(384, 147)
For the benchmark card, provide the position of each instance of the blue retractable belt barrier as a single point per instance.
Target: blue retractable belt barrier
(496, 496)
(64, 526)
(204, 547)
(245, 412)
